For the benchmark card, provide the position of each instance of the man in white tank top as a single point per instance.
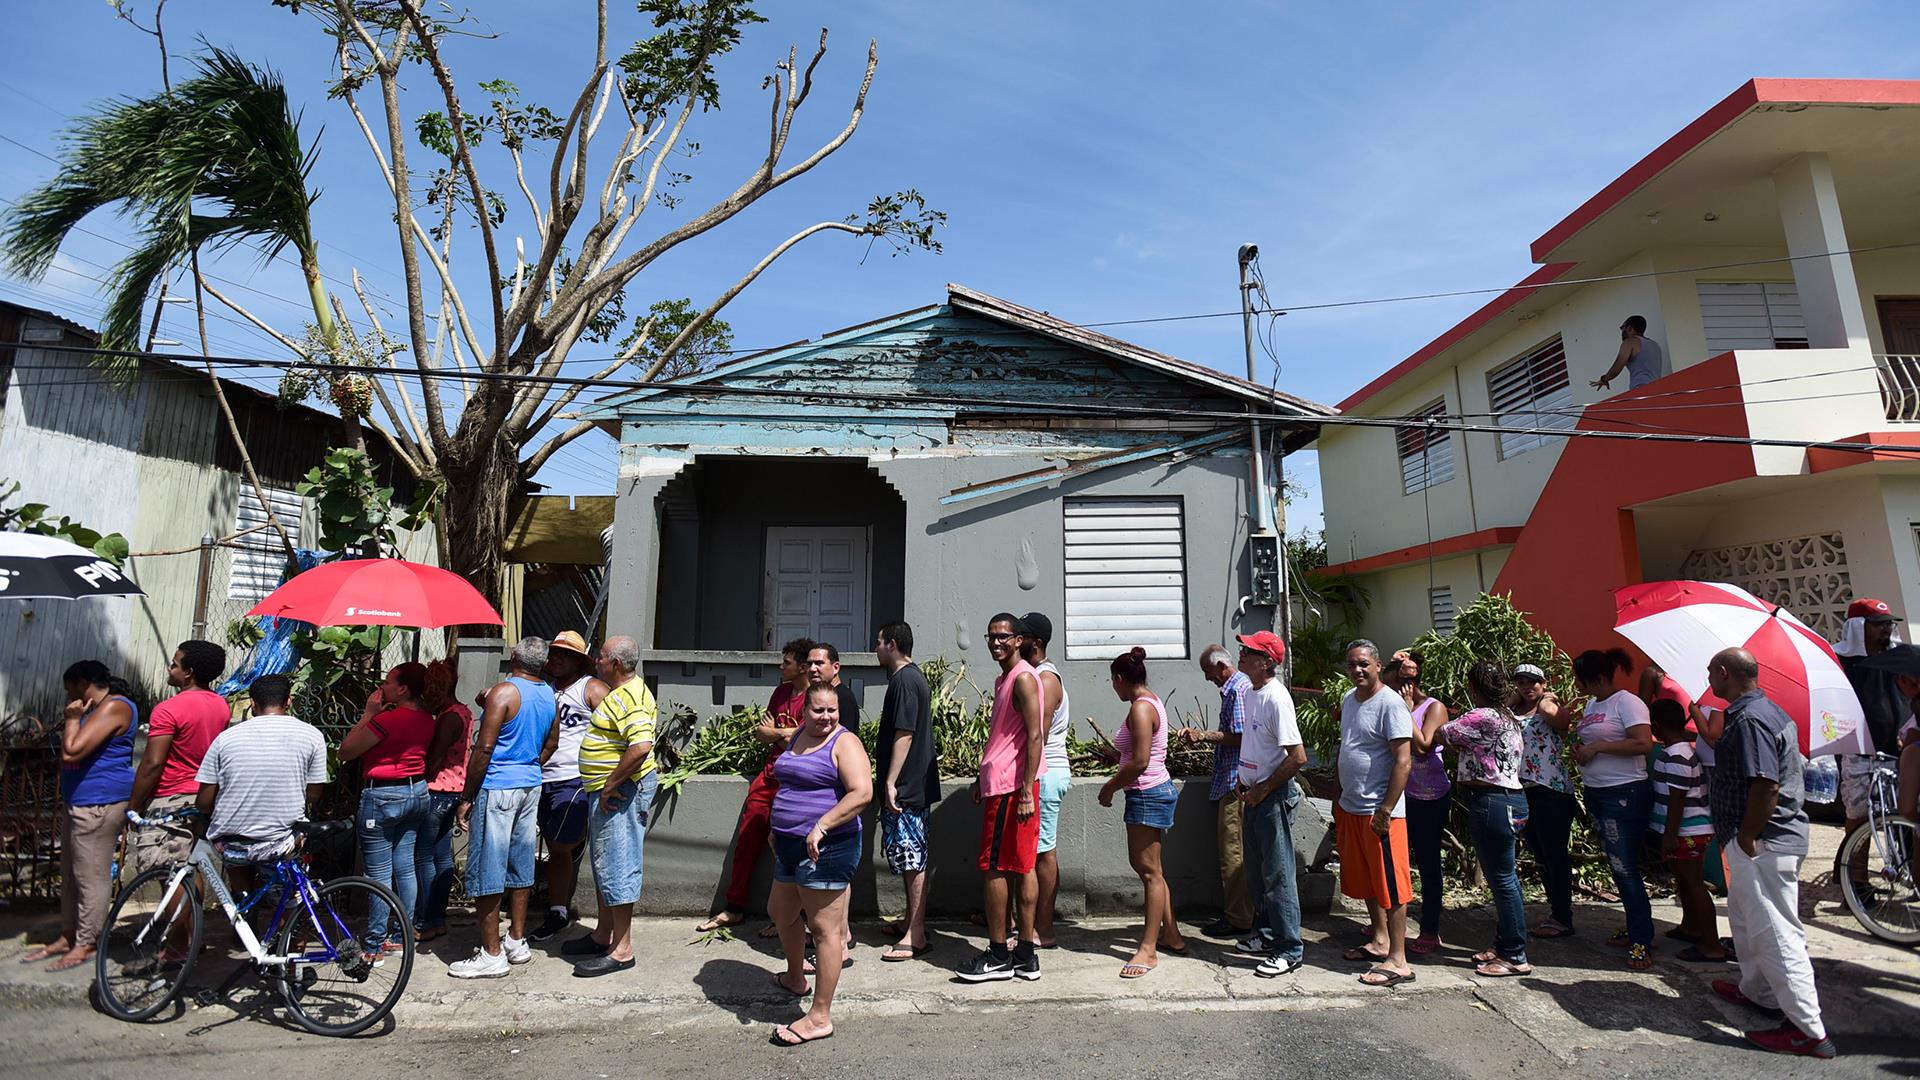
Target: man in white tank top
(1056, 775)
(563, 806)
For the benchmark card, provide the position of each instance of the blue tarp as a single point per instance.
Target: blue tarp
(273, 655)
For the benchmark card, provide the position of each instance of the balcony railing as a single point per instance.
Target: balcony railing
(1900, 385)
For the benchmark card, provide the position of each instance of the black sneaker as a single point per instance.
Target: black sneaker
(1026, 963)
(989, 967)
(1221, 928)
(553, 924)
(584, 945)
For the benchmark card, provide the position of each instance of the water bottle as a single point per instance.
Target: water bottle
(1822, 779)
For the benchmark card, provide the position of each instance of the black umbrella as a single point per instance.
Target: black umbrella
(1899, 659)
(36, 567)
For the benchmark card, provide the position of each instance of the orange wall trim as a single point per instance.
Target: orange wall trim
(1579, 543)
(1452, 545)
(1819, 461)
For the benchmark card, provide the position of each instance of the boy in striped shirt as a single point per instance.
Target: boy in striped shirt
(1685, 827)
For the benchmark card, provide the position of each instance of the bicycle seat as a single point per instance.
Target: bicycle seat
(320, 828)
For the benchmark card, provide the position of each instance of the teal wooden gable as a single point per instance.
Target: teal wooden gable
(909, 381)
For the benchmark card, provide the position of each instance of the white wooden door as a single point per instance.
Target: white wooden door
(816, 585)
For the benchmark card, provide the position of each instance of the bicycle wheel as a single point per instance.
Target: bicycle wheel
(148, 946)
(338, 982)
(1889, 905)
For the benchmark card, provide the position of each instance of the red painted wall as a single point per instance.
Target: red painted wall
(1579, 543)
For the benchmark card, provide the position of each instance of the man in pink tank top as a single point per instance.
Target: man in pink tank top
(1009, 793)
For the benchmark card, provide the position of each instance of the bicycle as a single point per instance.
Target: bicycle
(334, 980)
(1887, 902)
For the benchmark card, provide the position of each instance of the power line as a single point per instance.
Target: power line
(669, 389)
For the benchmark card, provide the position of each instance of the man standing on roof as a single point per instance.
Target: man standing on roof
(1640, 357)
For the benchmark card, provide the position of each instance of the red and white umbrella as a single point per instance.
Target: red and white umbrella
(1682, 624)
(379, 592)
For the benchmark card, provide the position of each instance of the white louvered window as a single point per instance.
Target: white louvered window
(1751, 315)
(1126, 578)
(1440, 604)
(258, 557)
(1529, 393)
(1426, 454)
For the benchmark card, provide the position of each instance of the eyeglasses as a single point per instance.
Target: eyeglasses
(1001, 637)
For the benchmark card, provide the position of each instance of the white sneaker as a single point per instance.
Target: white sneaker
(517, 950)
(481, 965)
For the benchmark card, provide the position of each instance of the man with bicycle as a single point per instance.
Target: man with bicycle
(1756, 803)
(261, 776)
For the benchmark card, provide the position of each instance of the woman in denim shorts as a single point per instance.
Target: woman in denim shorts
(825, 782)
(1142, 746)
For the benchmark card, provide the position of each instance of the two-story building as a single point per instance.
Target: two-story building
(1773, 246)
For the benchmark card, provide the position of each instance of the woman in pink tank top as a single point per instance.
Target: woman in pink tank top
(1150, 793)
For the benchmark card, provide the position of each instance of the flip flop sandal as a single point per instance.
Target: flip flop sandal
(811, 967)
(1692, 955)
(798, 1039)
(1361, 954)
(1421, 946)
(1485, 956)
(1501, 969)
(1386, 979)
(1135, 971)
(68, 962)
(785, 989)
(1547, 931)
(1619, 939)
(716, 922)
(896, 956)
(1639, 959)
(41, 955)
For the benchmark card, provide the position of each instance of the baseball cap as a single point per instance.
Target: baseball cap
(1529, 671)
(1037, 626)
(1266, 641)
(1871, 610)
(571, 641)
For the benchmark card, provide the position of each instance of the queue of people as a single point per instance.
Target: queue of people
(562, 751)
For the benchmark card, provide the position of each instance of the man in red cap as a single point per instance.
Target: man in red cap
(1271, 751)
(1869, 632)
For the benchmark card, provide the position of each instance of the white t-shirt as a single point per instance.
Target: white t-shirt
(1268, 730)
(1608, 721)
(1368, 730)
(570, 712)
(1057, 726)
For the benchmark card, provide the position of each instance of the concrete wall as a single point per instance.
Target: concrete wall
(689, 839)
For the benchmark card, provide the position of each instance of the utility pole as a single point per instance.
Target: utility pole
(1266, 548)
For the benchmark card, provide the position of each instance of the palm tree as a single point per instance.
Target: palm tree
(214, 161)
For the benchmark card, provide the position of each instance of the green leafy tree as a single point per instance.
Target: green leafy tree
(33, 518)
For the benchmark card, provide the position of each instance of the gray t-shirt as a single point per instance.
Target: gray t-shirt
(263, 767)
(1760, 742)
(1367, 732)
(1648, 364)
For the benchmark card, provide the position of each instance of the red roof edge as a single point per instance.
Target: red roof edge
(1487, 313)
(1452, 545)
(1753, 93)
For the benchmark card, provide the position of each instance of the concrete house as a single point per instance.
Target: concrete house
(1770, 246)
(153, 462)
(940, 465)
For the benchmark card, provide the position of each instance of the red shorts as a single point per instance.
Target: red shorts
(1373, 867)
(1690, 849)
(1009, 843)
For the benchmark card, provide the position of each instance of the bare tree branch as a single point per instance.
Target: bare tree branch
(532, 465)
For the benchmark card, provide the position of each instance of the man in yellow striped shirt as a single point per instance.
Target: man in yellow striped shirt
(617, 773)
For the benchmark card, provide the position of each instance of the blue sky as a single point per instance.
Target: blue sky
(1099, 161)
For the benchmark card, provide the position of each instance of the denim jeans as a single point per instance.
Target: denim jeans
(1495, 817)
(1270, 859)
(1620, 815)
(433, 861)
(1549, 833)
(1426, 836)
(616, 841)
(391, 819)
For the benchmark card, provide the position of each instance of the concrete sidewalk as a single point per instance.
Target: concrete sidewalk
(1581, 999)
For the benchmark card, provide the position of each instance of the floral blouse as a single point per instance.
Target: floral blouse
(1542, 763)
(1489, 746)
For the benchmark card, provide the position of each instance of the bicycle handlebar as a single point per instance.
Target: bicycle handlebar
(141, 822)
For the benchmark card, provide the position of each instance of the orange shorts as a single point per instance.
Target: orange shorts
(1370, 869)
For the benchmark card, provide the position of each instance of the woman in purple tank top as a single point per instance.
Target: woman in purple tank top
(1151, 793)
(825, 782)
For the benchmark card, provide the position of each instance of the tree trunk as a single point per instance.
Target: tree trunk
(480, 489)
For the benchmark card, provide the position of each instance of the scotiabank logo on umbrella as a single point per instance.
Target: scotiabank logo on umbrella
(377, 613)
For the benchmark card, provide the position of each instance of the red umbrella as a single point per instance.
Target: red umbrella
(1682, 624)
(378, 592)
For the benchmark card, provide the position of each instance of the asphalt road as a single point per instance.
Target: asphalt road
(1401, 1038)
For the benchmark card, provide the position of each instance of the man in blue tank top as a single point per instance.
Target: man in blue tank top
(501, 806)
